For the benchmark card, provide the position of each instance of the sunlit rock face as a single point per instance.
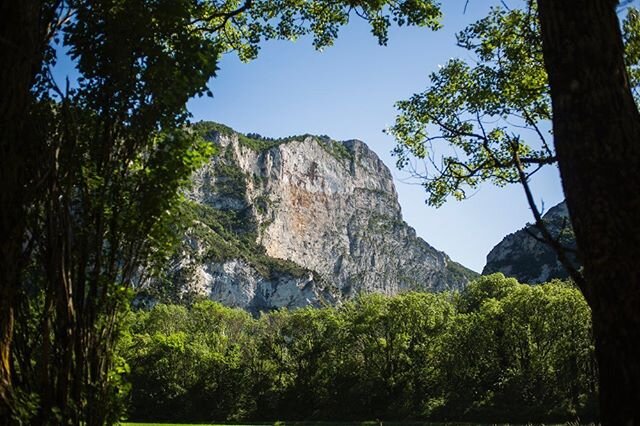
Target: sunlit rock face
(316, 221)
(523, 257)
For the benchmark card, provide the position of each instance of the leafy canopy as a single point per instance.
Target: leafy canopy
(487, 118)
(498, 349)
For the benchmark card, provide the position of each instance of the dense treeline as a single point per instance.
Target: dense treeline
(498, 350)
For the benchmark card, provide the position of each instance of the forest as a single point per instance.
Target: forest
(497, 350)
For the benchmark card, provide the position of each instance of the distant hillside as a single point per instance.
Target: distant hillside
(521, 256)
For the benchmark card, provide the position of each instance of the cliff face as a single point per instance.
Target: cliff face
(521, 256)
(302, 221)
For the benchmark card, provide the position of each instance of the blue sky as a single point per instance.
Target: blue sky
(348, 92)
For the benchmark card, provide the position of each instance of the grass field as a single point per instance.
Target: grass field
(167, 424)
(348, 424)
(193, 424)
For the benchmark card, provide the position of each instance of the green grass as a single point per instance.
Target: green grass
(168, 424)
(370, 423)
(192, 424)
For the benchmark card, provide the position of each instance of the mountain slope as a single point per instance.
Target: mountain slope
(521, 256)
(301, 221)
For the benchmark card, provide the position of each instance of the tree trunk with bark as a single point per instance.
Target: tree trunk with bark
(597, 138)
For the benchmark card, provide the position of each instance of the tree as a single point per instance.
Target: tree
(99, 203)
(531, 357)
(188, 364)
(497, 350)
(25, 31)
(595, 132)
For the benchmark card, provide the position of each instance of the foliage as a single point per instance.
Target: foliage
(631, 38)
(498, 350)
(335, 148)
(210, 234)
(487, 118)
(256, 142)
(460, 272)
(218, 231)
(209, 129)
(192, 359)
(473, 107)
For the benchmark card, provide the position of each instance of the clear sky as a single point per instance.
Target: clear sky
(348, 92)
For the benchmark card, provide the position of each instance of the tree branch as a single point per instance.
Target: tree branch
(575, 275)
(225, 15)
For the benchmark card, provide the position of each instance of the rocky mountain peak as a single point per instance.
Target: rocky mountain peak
(299, 221)
(525, 258)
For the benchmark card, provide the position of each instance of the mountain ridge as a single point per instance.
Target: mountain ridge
(300, 221)
(521, 256)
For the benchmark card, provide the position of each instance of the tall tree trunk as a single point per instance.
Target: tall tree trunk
(597, 138)
(20, 56)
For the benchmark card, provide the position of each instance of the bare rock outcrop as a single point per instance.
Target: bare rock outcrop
(301, 221)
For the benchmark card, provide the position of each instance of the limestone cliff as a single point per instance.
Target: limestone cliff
(523, 257)
(301, 221)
